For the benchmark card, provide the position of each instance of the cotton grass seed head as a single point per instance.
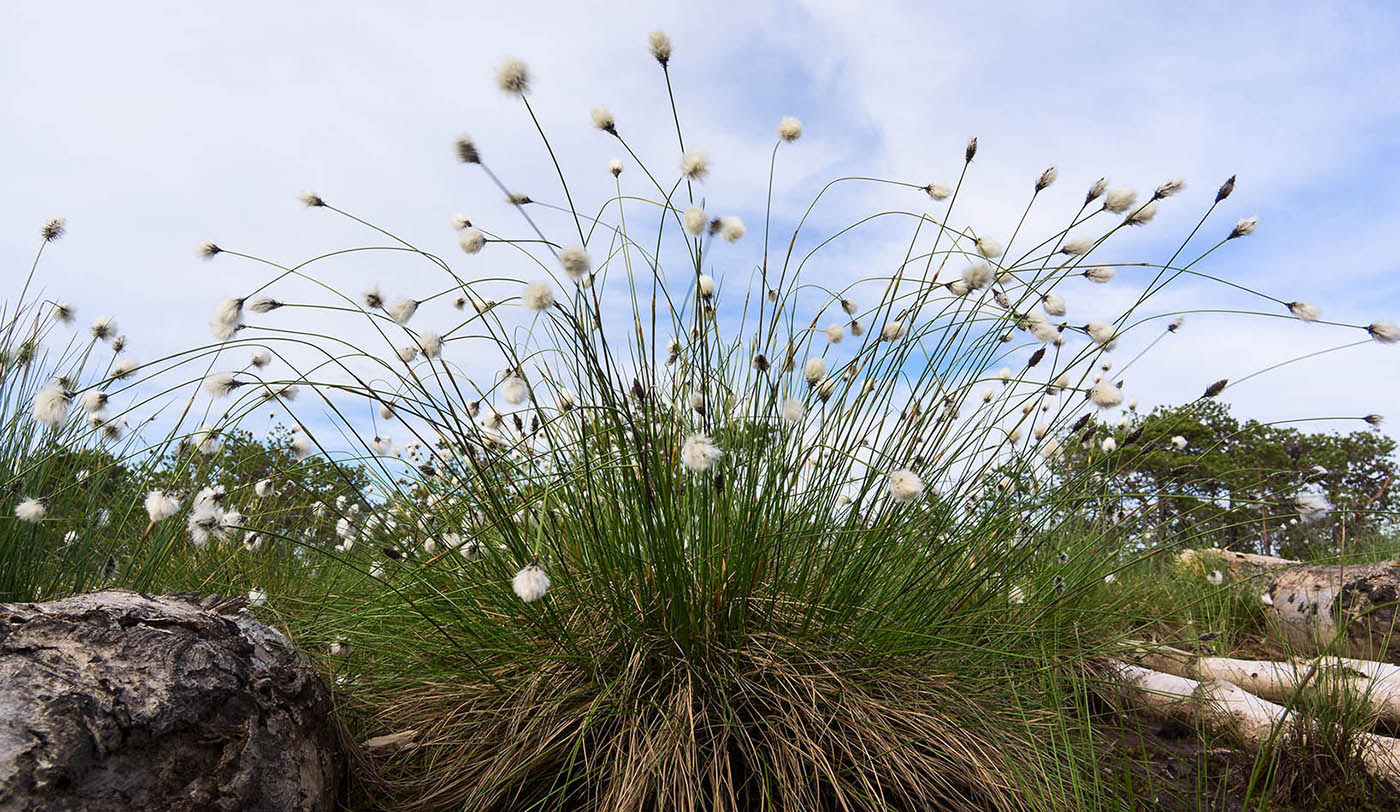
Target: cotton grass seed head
(103, 328)
(207, 250)
(905, 486)
(30, 510)
(1386, 332)
(1169, 188)
(834, 333)
(531, 583)
(310, 199)
(1046, 178)
(1304, 311)
(472, 240)
(660, 46)
(1053, 303)
(988, 247)
(1119, 199)
(53, 229)
(1105, 395)
(51, 405)
(793, 410)
(789, 129)
(615, 166)
(1215, 578)
(699, 453)
(893, 331)
(694, 164)
(1096, 190)
(706, 285)
(939, 191)
(814, 370)
(1143, 215)
(512, 76)
(603, 120)
(1099, 273)
(575, 261)
(977, 276)
(1244, 228)
(538, 296)
(1077, 246)
(731, 228)
(161, 505)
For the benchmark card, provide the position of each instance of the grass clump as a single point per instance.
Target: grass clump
(675, 519)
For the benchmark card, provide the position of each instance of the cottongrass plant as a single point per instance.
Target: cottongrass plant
(635, 529)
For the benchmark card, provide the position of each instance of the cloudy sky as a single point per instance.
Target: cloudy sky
(151, 127)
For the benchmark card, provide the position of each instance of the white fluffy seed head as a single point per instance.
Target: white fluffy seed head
(814, 370)
(1179, 442)
(51, 405)
(1386, 332)
(1100, 331)
(401, 310)
(793, 410)
(905, 485)
(1215, 578)
(1119, 199)
(893, 331)
(834, 333)
(694, 164)
(575, 261)
(30, 510)
(1109, 445)
(789, 129)
(1244, 227)
(407, 353)
(161, 505)
(1143, 214)
(977, 276)
(660, 46)
(1054, 304)
(1077, 246)
(603, 119)
(1046, 178)
(1169, 188)
(512, 76)
(228, 317)
(695, 221)
(707, 285)
(538, 296)
(988, 247)
(531, 583)
(1099, 274)
(699, 453)
(1304, 311)
(615, 166)
(514, 389)
(472, 240)
(939, 191)
(1105, 395)
(431, 344)
(857, 328)
(731, 228)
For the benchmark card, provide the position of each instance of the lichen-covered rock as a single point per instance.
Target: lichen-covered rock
(116, 700)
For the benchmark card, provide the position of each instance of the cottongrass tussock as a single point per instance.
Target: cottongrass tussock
(803, 509)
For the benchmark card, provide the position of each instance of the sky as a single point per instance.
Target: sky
(151, 127)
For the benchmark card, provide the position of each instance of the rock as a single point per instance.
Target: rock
(117, 700)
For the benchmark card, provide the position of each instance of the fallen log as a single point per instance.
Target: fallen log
(1226, 709)
(1342, 609)
(116, 700)
(1375, 684)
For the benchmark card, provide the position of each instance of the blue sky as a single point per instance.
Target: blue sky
(151, 127)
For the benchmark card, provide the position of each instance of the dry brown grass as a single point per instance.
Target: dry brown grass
(780, 728)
